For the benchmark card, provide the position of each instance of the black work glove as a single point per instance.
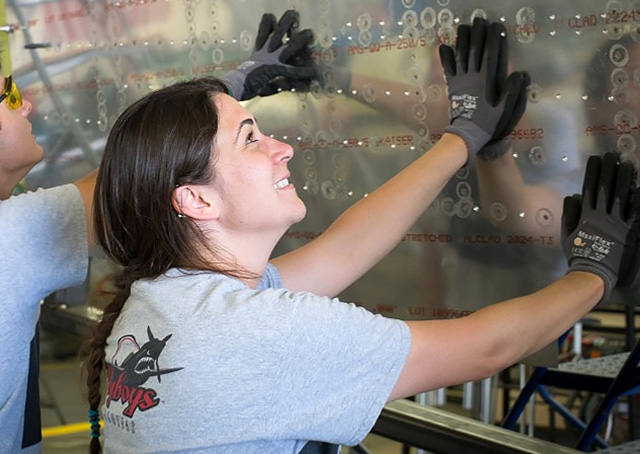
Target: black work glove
(597, 225)
(275, 66)
(500, 141)
(471, 70)
(629, 279)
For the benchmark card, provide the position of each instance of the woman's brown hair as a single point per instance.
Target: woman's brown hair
(160, 142)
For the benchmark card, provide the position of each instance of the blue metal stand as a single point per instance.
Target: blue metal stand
(625, 383)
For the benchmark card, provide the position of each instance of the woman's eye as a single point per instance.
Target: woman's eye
(251, 139)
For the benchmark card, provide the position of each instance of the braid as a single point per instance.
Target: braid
(94, 353)
(161, 141)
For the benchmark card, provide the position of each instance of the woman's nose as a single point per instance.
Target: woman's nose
(282, 151)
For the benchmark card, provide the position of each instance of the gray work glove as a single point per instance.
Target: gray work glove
(471, 70)
(629, 279)
(275, 66)
(500, 141)
(597, 226)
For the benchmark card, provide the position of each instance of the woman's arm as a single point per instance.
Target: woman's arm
(373, 226)
(448, 352)
(598, 225)
(370, 228)
(86, 186)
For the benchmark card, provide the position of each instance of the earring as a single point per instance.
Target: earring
(180, 215)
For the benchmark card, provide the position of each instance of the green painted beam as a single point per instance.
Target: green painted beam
(5, 54)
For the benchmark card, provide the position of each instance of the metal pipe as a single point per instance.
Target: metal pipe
(443, 432)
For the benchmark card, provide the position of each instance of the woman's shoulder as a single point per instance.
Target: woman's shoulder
(42, 198)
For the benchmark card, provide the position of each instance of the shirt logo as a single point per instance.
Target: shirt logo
(124, 381)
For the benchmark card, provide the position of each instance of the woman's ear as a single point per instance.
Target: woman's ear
(194, 202)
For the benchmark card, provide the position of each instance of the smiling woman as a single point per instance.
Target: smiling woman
(211, 345)
(251, 197)
(190, 199)
(44, 233)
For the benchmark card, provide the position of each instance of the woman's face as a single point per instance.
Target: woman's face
(19, 151)
(251, 171)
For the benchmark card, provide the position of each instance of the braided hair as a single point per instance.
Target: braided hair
(163, 140)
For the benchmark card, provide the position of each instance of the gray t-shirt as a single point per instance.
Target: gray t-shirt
(201, 363)
(43, 248)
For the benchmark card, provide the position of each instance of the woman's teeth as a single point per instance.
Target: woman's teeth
(281, 184)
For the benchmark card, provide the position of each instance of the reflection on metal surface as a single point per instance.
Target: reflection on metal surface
(631, 157)
(626, 119)
(410, 18)
(619, 55)
(464, 207)
(537, 155)
(430, 36)
(419, 112)
(463, 190)
(583, 99)
(448, 206)
(626, 143)
(364, 21)
(428, 17)
(369, 93)
(544, 217)
(498, 211)
(445, 18)
(364, 37)
(478, 13)
(620, 95)
(619, 77)
(311, 186)
(534, 93)
(408, 3)
(328, 189)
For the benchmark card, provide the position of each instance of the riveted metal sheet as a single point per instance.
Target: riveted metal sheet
(88, 59)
